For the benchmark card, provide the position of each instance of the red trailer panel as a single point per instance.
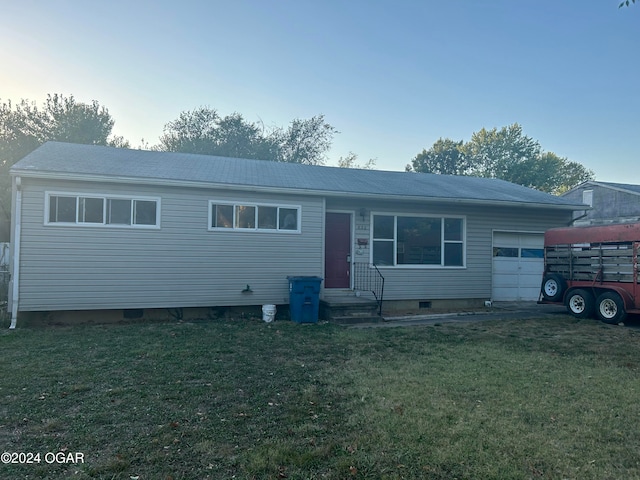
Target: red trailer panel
(627, 232)
(593, 270)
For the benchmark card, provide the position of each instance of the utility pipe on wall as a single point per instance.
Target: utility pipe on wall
(15, 250)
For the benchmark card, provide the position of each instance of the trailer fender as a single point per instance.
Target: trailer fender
(626, 297)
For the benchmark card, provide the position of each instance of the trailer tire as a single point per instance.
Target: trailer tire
(580, 303)
(553, 287)
(610, 308)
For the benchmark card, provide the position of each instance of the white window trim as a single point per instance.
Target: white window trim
(234, 204)
(441, 266)
(104, 197)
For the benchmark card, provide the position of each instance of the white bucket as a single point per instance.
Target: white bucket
(268, 313)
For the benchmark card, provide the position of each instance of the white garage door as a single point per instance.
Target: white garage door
(518, 262)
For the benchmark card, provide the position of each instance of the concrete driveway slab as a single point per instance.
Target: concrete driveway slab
(498, 311)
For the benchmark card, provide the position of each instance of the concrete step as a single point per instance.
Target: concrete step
(348, 310)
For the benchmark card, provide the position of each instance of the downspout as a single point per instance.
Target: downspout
(15, 253)
(573, 220)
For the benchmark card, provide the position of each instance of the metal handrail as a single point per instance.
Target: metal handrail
(367, 278)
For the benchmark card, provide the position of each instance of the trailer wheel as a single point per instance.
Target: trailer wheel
(553, 286)
(580, 303)
(610, 308)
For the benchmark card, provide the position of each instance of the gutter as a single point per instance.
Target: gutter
(289, 191)
(15, 253)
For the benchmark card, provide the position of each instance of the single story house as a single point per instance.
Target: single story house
(607, 202)
(100, 228)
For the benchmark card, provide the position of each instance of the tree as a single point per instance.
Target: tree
(503, 153)
(351, 161)
(560, 173)
(204, 131)
(65, 120)
(510, 155)
(507, 154)
(446, 156)
(305, 141)
(626, 3)
(24, 127)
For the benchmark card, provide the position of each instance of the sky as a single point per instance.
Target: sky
(392, 76)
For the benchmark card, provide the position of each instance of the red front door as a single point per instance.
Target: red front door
(337, 247)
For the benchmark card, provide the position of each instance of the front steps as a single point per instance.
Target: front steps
(348, 309)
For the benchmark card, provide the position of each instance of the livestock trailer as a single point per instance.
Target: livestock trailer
(593, 270)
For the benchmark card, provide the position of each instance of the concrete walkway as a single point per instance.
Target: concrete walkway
(499, 310)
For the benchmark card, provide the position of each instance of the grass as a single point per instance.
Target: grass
(544, 398)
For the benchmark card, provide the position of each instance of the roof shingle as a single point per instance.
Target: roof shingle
(78, 161)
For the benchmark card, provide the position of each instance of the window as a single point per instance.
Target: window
(118, 212)
(253, 217)
(144, 212)
(62, 209)
(267, 218)
(505, 252)
(90, 210)
(532, 253)
(418, 240)
(222, 216)
(245, 217)
(514, 252)
(102, 210)
(288, 219)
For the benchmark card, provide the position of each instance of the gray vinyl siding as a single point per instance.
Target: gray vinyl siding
(474, 280)
(181, 264)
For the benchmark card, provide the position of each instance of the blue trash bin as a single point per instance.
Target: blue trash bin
(304, 299)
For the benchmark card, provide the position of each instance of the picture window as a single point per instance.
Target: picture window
(418, 240)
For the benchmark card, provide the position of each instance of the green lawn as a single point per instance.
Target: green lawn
(548, 398)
